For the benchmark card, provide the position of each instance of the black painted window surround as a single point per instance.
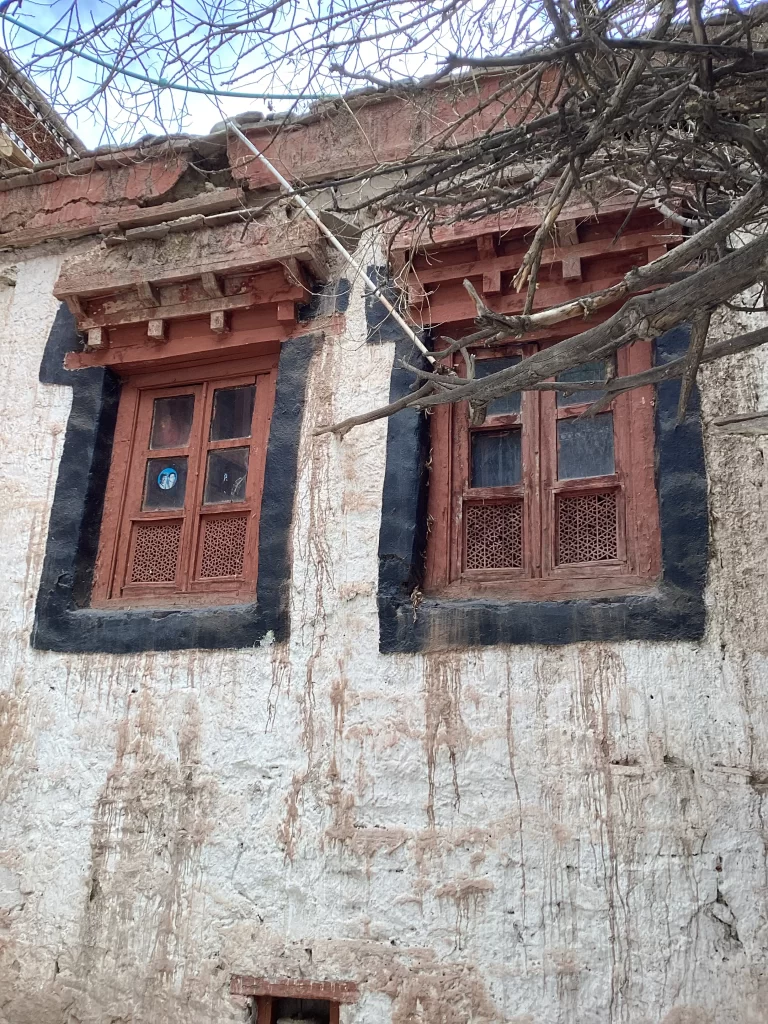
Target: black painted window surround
(63, 619)
(672, 610)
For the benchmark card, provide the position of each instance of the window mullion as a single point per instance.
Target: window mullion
(547, 405)
(460, 470)
(531, 484)
(126, 461)
(194, 493)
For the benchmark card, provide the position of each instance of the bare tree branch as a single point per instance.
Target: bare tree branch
(699, 328)
(656, 375)
(661, 101)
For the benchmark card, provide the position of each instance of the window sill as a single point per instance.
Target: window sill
(174, 602)
(663, 612)
(517, 590)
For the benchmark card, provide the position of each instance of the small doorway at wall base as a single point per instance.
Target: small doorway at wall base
(277, 1010)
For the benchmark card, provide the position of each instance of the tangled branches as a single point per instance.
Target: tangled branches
(661, 101)
(674, 116)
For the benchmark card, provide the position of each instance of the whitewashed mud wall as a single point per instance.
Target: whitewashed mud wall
(517, 835)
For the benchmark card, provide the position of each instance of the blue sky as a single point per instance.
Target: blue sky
(130, 110)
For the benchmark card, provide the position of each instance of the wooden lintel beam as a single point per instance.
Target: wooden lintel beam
(747, 423)
(634, 241)
(460, 307)
(332, 991)
(148, 356)
(211, 285)
(195, 307)
(517, 219)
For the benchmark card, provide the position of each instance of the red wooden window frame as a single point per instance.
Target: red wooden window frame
(266, 1010)
(540, 574)
(124, 518)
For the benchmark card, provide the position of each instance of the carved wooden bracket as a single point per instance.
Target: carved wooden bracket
(205, 273)
(434, 272)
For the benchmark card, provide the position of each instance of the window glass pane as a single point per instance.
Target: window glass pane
(226, 475)
(585, 447)
(172, 421)
(165, 483)
(232, 412)
(509, 403)
(587, 371)
(496, 458)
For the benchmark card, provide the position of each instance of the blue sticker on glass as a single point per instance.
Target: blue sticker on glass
(166, 478)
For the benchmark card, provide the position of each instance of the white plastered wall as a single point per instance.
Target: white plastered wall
(598, 850)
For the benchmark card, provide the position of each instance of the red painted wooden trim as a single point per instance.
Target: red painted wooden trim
(438, 501)
(114, 499)
(644, 504)
(263, 363)
(520, 219)
(126, 482)
(331, 991)
(147, 354)
(541, 577)
(263, 1009)
(442, 267)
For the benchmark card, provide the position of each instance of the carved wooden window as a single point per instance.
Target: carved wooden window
(539, 500)
(182, 506)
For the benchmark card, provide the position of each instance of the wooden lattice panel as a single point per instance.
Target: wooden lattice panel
(587, 528)
(223, 546)
(155, 552)
(494, 536)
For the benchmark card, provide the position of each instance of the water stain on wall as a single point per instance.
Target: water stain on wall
(151, 821)
(443, 725)
(467, 894)
(430, 993)
(16, 741)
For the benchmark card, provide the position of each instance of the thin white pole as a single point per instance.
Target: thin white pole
(287, 187)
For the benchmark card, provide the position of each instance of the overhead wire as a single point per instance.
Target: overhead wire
(377, 291)
(162, 83)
